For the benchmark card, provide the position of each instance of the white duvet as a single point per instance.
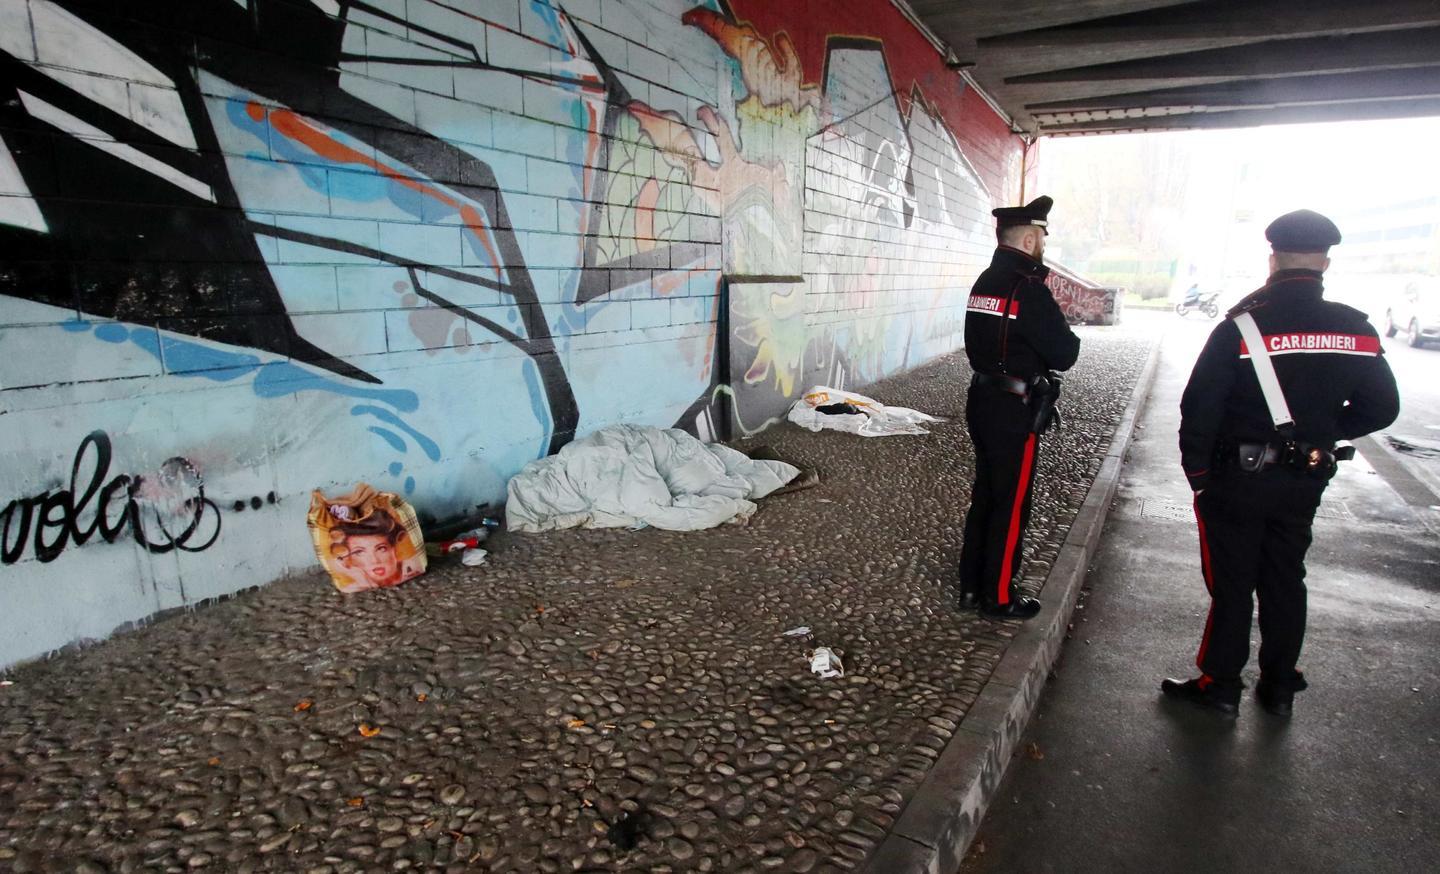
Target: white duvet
(631, 475)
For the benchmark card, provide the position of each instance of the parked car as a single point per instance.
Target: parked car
(1416, 312)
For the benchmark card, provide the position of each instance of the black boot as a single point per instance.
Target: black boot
(1208, 695)
(1019, 607)
(1278, 696)
(968, 600)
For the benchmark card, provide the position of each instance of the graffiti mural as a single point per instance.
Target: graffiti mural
(290, 245)
(165, 511)
(1082, 301)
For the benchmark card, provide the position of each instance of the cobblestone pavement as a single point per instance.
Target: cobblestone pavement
(522, 705)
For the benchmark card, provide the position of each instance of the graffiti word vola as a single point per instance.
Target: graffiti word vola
(163, 512)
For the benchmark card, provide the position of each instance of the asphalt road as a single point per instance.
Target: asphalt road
(1416, 434)
(1112, 778)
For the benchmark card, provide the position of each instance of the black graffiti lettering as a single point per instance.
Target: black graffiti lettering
(175, 471)
(107, 498)
(50, 503)
(56, 516)
(17, 512)
(97, 474)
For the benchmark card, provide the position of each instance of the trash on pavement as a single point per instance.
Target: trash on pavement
(366, 539)
(626, 830)
(628, 475)
(465, 540)
(870, 419)
(826, 663)
(798, 631)
(473, 557)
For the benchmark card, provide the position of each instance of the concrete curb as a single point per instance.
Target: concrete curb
(935, 828)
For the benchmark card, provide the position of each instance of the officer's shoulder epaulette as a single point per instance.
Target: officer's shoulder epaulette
(1350, 311)
(1253, 302)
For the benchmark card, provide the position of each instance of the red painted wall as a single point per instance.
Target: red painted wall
(914, 65)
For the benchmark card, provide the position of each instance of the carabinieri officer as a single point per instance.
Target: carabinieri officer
(1015, 337)
(1258, 466)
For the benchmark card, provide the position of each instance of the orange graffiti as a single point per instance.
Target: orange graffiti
(723, 182)
(291, 125)
(645, 215)
(771, 73)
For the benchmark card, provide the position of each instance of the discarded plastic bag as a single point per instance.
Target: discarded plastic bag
(823, 408)
(826, 663)
(366, 539)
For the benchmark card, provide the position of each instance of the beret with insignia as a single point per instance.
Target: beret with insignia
(1302, 231)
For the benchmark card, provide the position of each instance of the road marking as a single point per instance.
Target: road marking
(1386, 463)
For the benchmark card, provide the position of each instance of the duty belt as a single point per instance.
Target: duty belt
(1013, 384)
(1255, 457)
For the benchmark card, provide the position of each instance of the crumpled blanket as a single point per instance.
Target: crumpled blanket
(631, 476)
(873, 418)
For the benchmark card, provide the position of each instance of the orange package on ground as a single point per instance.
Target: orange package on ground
(366, 539)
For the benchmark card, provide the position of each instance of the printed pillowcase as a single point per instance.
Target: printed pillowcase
(366, 539)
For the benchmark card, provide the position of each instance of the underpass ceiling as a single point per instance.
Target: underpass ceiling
(1064, 67)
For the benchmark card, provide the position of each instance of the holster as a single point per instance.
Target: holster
(1042, 397)
(1298, 455)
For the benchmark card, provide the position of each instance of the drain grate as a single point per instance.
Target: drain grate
(1171, 511)
(1152, 508)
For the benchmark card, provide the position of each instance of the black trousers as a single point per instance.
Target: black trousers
(999, 425)
(1254, 532)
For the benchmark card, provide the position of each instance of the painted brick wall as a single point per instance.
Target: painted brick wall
(249, 248)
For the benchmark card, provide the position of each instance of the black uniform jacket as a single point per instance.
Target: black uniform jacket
(1326, 355)
(1012, 323)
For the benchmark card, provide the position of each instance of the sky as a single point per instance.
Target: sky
(1236, 181)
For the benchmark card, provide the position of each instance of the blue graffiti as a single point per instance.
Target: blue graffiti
(395, 441)
(273, 379)
(542, 412)
(430, 447)
(354, 183)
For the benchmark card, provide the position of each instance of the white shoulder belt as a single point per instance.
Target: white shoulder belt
(1265, 371)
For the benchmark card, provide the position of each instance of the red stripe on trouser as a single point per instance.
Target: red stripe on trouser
(1022, 486)
(1209, 586)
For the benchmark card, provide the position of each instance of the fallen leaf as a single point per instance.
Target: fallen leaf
(624, 584)
(214, 760)
(594, 655)
(577, 723)
(1033, 751)
(422, 697)
(357, 801)
(368, 730)
(539, 609)
(304, 704)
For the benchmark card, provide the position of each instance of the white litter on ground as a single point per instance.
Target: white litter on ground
(874, 419)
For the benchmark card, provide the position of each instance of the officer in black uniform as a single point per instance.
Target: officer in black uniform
(1257, 484)
(1016, 337)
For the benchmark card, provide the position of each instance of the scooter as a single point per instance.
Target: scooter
(1204, 302)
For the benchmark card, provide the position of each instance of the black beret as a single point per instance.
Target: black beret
(1032, 213)
(1302, 231)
